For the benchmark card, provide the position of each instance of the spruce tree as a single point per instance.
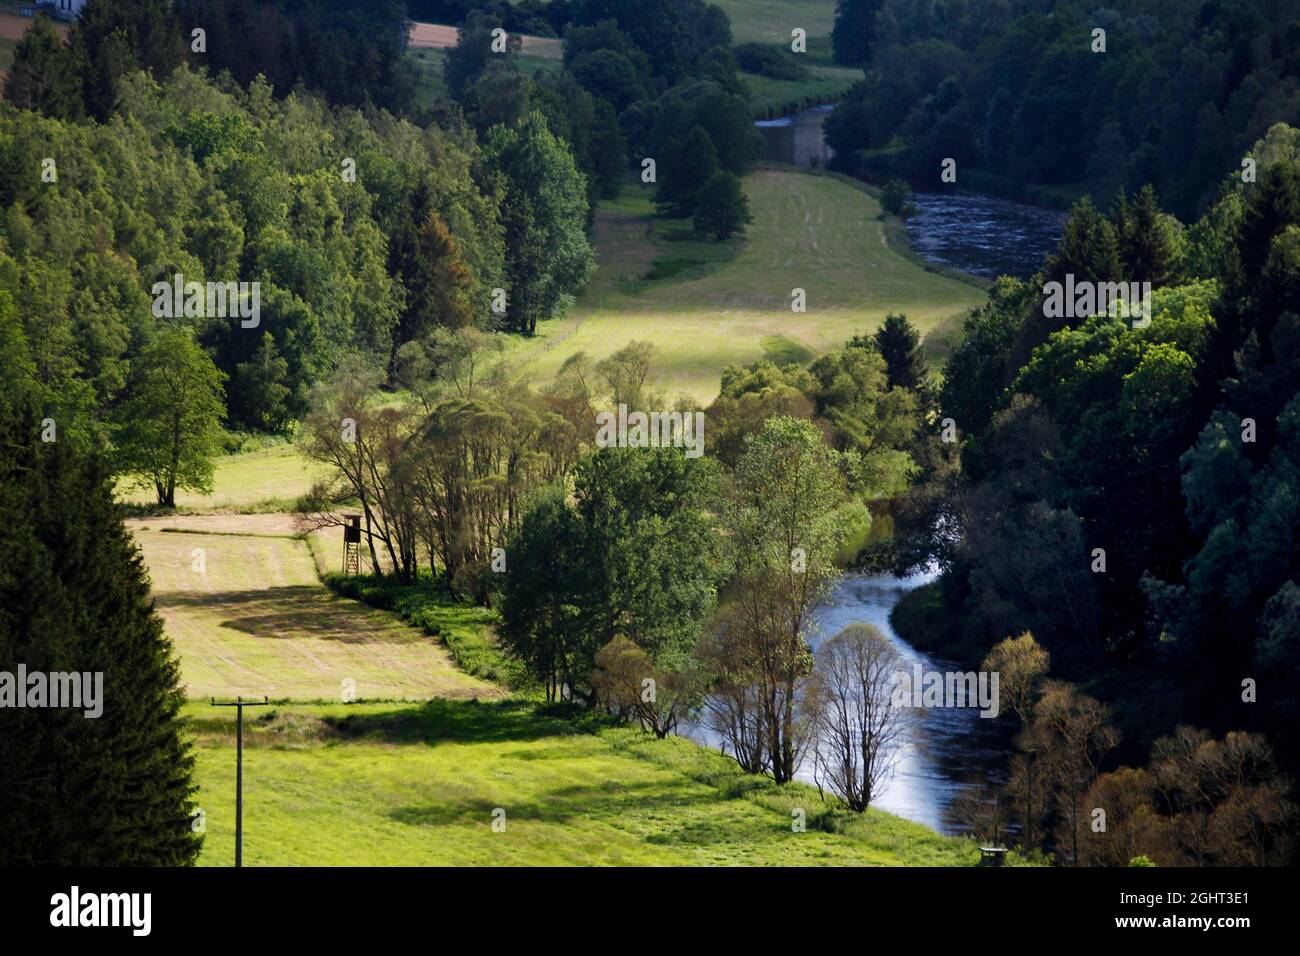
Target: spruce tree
(112, 790)
(899, 344)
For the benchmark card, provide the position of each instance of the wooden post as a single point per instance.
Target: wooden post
(239, 704)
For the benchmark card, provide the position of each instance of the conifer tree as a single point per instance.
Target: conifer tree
(77, 790)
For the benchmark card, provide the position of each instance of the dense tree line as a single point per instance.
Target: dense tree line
(363, 232)
(1199, 801)
(350, 53)
(651, 81)
(1180, 93)
(1124, 487)
(543, 18)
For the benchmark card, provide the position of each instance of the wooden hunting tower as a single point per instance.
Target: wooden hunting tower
(352, 544)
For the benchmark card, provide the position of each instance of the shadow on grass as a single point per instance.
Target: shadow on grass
(292, 613)
(566, 804)
(430, 723)
(458, 721)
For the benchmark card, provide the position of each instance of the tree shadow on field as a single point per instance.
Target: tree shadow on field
(565, 804)
(441, 721)
(293, 612)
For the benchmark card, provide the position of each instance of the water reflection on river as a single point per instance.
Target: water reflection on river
(954, 745)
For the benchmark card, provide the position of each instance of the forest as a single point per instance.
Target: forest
(1170, 92)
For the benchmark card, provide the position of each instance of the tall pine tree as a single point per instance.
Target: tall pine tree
(113, 790)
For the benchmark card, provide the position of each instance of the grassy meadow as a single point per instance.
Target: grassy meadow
(823, 84)
(704, 304)
(268, 479)
(770, 21)
(416, 785)
(719, 303)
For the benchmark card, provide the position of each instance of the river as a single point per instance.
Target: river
(952, 745)
(987, 236)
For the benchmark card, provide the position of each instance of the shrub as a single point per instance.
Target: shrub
(896, 198)
(769, 61)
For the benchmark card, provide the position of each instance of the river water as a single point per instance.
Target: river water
(987, 236)
(952, 747)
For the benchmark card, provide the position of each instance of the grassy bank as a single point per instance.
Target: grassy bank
(823, 83)
(393, 784)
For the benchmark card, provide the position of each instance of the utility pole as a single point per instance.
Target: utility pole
(239, 704)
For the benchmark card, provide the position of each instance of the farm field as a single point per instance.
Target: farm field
(724, 303)
(439, 36)
(383, 784)
(255, 619)
(412, 772)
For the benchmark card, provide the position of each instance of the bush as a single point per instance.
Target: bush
(896, 198)
(769, 61)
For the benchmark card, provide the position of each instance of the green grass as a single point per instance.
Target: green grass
(270, 479)
(770, 21)
(7, 47)
(823, 84)
(416, 785)
(255, 619)
(819, 233)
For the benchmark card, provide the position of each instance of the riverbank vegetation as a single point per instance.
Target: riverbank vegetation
(1124, 487)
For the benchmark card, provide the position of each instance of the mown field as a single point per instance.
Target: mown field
(249, 616)
(770, 21)
(704, 304)
(415, 782)
(719, 303)
(380, 784)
